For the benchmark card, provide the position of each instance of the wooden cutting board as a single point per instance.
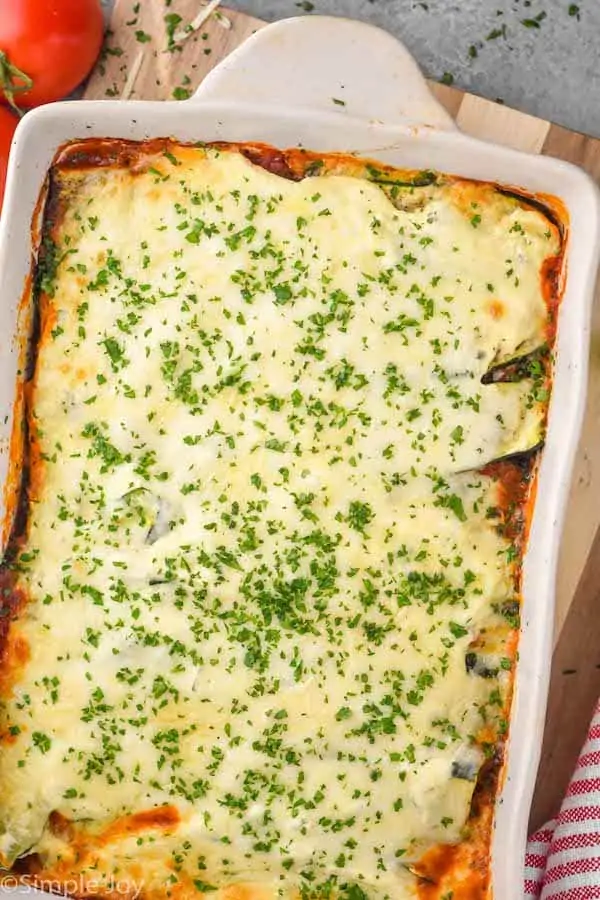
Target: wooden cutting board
(142, 61)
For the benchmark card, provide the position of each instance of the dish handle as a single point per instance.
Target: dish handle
(327, 64)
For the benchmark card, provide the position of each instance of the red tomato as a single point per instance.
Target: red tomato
(8, 123)
(52, 42)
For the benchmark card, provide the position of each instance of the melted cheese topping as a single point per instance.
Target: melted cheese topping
(257, 557)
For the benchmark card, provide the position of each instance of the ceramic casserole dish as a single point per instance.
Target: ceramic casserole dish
(362, 94)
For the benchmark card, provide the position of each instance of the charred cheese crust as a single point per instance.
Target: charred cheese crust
(265, 604)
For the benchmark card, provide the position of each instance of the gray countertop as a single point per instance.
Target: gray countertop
(540, 56)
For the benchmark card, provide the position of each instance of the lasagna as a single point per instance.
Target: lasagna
(261, 604)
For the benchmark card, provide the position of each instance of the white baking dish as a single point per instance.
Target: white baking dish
(284, 87)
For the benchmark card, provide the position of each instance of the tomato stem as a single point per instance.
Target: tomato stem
(13, 81)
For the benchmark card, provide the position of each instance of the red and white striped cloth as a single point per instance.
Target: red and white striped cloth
(563, 858)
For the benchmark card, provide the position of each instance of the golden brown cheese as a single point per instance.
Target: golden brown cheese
(269, 623)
